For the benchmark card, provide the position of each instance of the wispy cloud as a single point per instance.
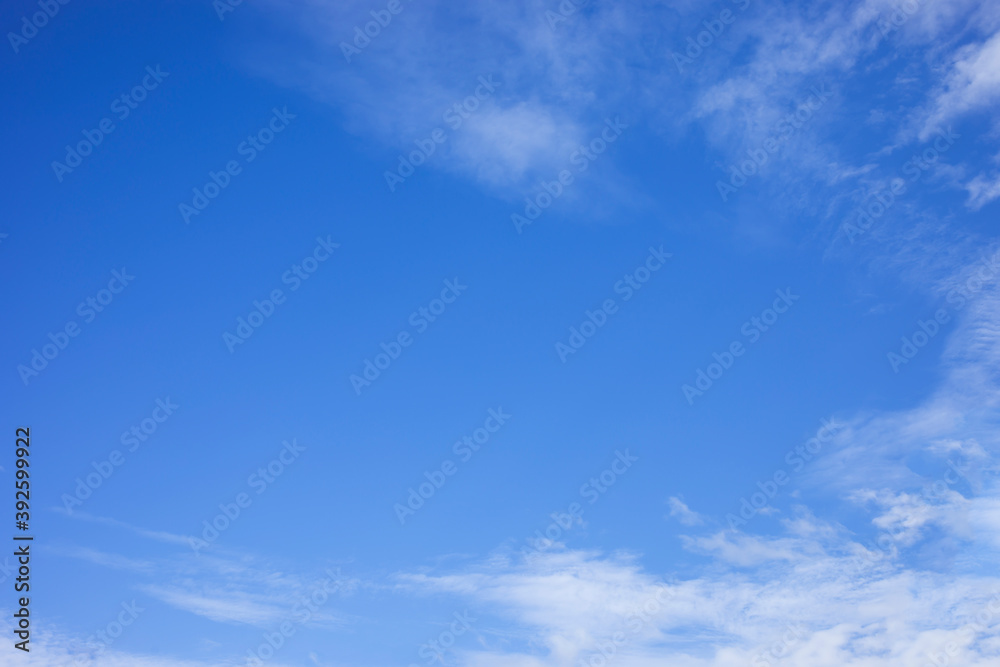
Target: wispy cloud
(972, 84)
(159, 536)
(892, 589)
(683, 513)
(225, 587)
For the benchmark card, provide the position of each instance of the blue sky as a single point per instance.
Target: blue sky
(704, 292)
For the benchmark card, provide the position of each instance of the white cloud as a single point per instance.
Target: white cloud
(982, 190)
(501, 146)
(905, 583)
(607, 59)
(574, 603)
(556, 84)
(972, 83)
(49, 649)
(683, 512)
(897, 588)
(221, 586)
